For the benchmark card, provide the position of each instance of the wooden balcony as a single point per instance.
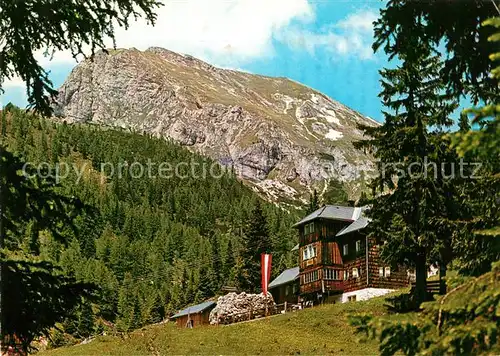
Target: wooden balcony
(317, 286)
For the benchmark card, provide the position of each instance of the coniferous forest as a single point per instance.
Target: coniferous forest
(145, 246)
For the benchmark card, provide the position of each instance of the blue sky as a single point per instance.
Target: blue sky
(323, 44)
(349, 77)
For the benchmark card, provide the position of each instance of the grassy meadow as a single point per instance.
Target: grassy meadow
(320, 330)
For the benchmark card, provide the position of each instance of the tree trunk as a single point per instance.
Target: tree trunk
(442, 274)
(420, 291)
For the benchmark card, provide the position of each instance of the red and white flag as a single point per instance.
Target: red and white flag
(265, 260)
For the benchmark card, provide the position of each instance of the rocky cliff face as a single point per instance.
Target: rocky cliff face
(280, 136)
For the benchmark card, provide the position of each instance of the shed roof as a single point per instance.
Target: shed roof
(286, 276)
(194, 309)
(333, 212)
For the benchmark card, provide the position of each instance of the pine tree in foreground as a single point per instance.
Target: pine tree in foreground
(483, 144)
(34, 293)
(464, 321)
(408, 189)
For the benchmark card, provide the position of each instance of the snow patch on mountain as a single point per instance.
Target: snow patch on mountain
(334, 135)
(331, 117)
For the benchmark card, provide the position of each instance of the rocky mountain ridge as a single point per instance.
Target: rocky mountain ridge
(281, 137)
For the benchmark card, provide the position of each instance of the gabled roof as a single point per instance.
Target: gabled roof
(286, 276)
(295, 248)
(333, 212)
(194, 309)
(359, 224)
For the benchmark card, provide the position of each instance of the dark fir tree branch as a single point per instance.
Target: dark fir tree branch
(30, 26)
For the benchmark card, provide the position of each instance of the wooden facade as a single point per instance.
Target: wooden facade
(332, 263)
(193, 320)
(285, 287)
(288, 292)
(194, 316)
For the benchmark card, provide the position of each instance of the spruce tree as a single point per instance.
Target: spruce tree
(482, 145)
(191, 290)
(127, 314)
(71, 26)
(405, 199)
(256, 241)
(34, 294)
(216, 261)
(335, 193)
(452, 25)
(229, 263)
(206, 283)
(465, 320)
(313, 202)
(85, 327)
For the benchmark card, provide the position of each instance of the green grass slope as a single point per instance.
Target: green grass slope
(319, 330)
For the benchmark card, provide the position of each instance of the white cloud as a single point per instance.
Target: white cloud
(351, 36)
(224, 32)
(12, 83)
(359, 21)
(55, 58)
(231, 33)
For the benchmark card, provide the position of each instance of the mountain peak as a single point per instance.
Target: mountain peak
(180, 59)
(281, 136)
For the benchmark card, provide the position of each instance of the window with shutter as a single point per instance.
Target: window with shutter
(308, 229)
(309, 252)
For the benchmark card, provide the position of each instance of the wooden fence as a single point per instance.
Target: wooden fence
(434, 287)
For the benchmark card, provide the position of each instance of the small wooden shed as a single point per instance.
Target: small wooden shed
(195, 315)
(285, 288)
